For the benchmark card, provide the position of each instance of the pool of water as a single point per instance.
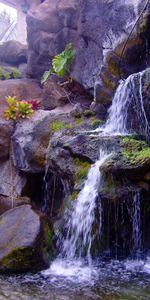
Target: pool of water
(113, 280)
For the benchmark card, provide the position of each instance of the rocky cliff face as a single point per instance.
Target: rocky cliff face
(94, 27)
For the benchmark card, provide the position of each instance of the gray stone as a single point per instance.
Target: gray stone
(24, 240)
(13, 52)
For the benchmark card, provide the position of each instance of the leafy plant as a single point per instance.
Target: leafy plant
(19, 109)
(34, 103)
(60, 63)
(24, 109)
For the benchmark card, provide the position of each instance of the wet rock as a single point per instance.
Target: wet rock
(25, 242)
(13, 52)
(132, 162)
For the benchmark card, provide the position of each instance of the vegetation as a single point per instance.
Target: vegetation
(74, 195)
(57, 125)
(82, 168)
(19, 109)
(94, 123)
(60, 64)
(9, 73)
(136, 151)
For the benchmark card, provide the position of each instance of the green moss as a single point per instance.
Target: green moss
(19, 259)
(7, 76)
(94, 123)
(109, 188)
(74, 196)
(82, 168)
(1, 73)
(15, 73)
(136, 151)
(113, 66)
(79, 121)
(88, 113)
(57, 125)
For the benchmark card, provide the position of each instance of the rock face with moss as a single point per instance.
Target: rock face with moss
(25, 243)
(91, 26)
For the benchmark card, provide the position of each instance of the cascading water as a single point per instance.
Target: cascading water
(128, 97)
(79, 238)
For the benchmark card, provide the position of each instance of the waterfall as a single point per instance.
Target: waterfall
(79, 237)
(128, 99)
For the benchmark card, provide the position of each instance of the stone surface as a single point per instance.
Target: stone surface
(25, 240)
(53, 95)
(13, 52)
(94, 27)
(12, 182)
(6, 203)
(6, 130)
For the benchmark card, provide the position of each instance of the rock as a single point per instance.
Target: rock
(23, 89)
(93, 28)
(50, 28)
(6, 130)
(12, 182)
(132, 162)
(53, 95)
(25, 243)
(31, 138)
(13, 52)
(6, 203)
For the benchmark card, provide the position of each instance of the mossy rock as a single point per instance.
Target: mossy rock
(133, 160)
(26, 240)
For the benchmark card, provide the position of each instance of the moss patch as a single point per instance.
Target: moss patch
(136, 151)
(19, 259)
(82, 168)
(79, 121)
(74, 196)
(57, 125)
(94, 123)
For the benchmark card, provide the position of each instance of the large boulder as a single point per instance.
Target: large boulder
(25, 243)
(13, 52)
(94, 27)
(31, 137)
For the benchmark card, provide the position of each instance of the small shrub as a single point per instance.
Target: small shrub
(19, 109)
(60, 63)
